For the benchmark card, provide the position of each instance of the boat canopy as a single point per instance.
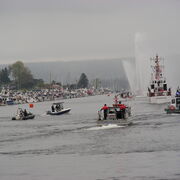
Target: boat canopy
(58, 103)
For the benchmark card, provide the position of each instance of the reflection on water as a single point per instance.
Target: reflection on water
(74, 146)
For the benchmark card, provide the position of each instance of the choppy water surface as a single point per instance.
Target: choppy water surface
(73, 147)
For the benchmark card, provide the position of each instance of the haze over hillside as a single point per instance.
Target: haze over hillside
(69, 72)
(109, 71)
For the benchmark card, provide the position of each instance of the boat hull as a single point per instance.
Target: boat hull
(172, 111)
(10, 102)
(64, 111)
(32, 116)
(159, 99)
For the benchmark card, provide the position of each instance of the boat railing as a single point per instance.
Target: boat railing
(164, 93)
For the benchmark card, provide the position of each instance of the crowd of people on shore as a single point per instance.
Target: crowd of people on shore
(10, 97)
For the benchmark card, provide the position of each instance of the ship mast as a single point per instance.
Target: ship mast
(157, 69)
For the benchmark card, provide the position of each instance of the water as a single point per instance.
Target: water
(72, 146)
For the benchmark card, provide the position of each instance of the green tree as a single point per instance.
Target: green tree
(22, 75)
(4, 76)
(83, 81)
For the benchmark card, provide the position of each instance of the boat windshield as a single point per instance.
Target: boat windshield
(57, 106)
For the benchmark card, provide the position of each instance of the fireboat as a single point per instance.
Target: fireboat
(158, 91)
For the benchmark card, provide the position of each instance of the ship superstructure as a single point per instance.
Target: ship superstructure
(158, 90)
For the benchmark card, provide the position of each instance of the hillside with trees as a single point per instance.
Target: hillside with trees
(18, 76)
(97, 73)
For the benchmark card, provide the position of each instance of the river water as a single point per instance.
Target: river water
(73, 147)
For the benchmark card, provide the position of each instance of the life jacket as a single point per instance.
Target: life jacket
(171, 107)
(122, 106)
(104, 108)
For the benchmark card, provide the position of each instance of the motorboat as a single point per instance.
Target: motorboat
(174, 106)
(117, 115)
(10, 101)
(58, 109)
(158, 91)
(23, 115)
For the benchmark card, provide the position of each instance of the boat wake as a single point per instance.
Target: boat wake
(174, 114)
(109, 126)
(44, 114)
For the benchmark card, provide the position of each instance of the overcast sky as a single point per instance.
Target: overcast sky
(46, 30)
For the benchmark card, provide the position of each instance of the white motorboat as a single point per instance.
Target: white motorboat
(58, 109)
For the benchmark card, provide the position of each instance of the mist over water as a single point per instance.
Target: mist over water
(138, 71)
(130, 70)
(142, 59)
(172, 63)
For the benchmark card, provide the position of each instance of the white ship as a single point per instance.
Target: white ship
(158, 91)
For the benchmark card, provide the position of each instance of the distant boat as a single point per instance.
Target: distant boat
(158, 91)
(174, 106)
(9, 101)
(20, 115)
(58, 109)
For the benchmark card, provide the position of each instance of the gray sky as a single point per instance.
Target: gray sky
(46, 30)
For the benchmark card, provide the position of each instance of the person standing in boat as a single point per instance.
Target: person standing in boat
(122, 106)
(122, 109)
(105, 109)
(25, 112)
(21, 113)
(58, 107)
(178, 92)
(52, 108)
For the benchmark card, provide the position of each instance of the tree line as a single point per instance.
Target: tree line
(18, 76)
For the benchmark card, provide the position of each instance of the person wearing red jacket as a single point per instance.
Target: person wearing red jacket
(122, 109)
(105, 109)
(122, 106)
